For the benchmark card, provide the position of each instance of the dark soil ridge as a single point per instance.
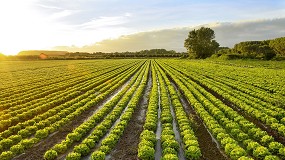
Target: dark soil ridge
(127, 147)
(37, 151)
(257, 122)
(209, 146)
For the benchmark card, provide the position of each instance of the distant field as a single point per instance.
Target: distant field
(142, 109)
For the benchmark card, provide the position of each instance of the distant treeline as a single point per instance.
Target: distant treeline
(267, 49)
(138, 54)
(61, 55)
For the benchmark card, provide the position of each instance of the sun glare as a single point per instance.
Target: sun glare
(21, 27)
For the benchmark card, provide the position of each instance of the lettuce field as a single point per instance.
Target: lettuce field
(142, 109)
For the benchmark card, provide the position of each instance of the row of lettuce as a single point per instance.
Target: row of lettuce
(97, 136)
(167, 130)
(239, 138)
(56, 95)
(163, 99)
(259, 104)
(23, 135)
(20, 87)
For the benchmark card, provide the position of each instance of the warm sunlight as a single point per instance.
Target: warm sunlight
(79, 25)
(29, 25)
(149, 79)
(20, 27)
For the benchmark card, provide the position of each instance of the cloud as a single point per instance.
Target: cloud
(104, 22)
(49, 7)
(227, 34)
(62, 14)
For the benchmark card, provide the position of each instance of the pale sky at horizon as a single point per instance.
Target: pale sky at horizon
(44, 24)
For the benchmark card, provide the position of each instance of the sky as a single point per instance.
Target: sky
(130, 25)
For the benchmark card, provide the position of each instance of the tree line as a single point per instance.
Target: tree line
(60, 55)
(200, 44)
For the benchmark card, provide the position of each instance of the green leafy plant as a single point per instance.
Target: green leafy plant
(237, 152)
(146, 153)
(50, 155)
(193, 152)
(43, 133)
(170, 157)
(17, 149)
(60, 148)
(260, 152)
(83, 149)
(7, 155)
(73, 156)
(98, 155)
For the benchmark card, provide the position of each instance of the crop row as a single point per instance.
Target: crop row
(49, 122)
(230, 129)
(98, 124)
(272, 116)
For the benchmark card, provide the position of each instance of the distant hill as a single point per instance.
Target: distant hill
(38, 52)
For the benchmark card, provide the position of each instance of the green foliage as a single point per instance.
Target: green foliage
(265, 140)
(6, 143)
(252, 146)
(73, 156)
(200, 43)
(169, 151)
(274, 147)
(189, 143)
(253, 49)
(271, 157)
(278, 45)
(105, 149)
(170, 157)
(145, 142)
(193, 152)
(229, 147)
(245, 158)
(50, 155)
(28, 143)
(25, 133)
(89, 142)
(237, 152)
(148, 135)
(43, 133)
(74, 136)
(98, 155)
(60, 148)
(282, 152)
(146, 153)
(7, 155)
(170, 143)
(17, 149)
(83, 149)
(261, 152)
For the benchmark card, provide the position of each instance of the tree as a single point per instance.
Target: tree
(278, 45)
(255, 49)
(200, 43)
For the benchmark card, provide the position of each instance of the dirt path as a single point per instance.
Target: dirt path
(127, 146)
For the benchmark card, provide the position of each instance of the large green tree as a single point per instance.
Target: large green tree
(278, 45)
(200, 43)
